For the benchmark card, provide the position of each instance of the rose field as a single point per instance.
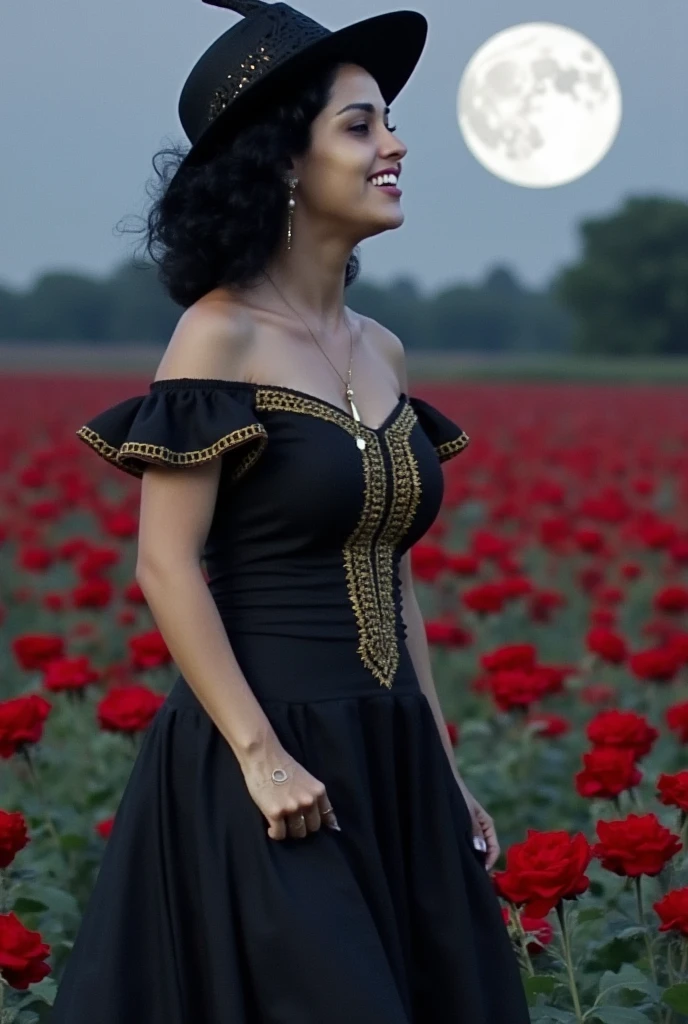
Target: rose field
(554, 585)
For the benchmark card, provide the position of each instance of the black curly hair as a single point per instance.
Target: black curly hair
(218, 223)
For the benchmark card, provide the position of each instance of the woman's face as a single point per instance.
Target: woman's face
(349, 145)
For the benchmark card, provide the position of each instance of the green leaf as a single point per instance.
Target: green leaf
(628, 978)
(619, 1015)
(538, 985)
(57, 900)
(630, 932)
(27, 1017)
(591, 913)
(676, 996)
(26, 905)
(551, 1013)
(42, 991)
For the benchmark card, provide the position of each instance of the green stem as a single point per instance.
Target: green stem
(523, 942)
(641, 920)
(569, 961)
(39, 792)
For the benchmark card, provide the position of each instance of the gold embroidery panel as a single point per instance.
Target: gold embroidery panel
(368, 553)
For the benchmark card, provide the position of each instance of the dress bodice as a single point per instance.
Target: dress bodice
(309, 527)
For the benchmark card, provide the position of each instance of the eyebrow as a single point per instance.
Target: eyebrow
(367, 107)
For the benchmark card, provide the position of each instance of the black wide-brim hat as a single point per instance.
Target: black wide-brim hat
(273, 44)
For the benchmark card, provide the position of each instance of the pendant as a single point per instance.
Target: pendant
(360, 441)
(354, 410)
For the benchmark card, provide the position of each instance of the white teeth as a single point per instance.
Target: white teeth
(385, 179)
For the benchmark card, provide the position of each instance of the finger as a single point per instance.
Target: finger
(327, 812)
(311, 813)
(278, 829)
(296, 825)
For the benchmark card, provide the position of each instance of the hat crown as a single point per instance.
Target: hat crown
(245, 7)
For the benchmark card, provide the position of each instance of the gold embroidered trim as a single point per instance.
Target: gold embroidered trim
(450, 448)
(156, 454)
(369, 551)
(269, 399)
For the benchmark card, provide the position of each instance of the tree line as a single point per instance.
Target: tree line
(627, 294)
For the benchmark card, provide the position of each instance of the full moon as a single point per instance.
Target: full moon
(539, 105)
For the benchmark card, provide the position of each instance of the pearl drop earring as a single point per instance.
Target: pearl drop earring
(292, 182)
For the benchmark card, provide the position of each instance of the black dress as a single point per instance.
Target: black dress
(198, 916)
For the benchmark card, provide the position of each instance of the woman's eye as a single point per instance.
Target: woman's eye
(357, 127)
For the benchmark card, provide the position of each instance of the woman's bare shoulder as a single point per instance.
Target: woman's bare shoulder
(212, 339)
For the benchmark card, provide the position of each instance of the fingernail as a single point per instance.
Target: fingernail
(336, 826)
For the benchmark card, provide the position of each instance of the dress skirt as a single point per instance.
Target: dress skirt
(199, 917)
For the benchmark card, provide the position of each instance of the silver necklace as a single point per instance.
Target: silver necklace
(348, 389)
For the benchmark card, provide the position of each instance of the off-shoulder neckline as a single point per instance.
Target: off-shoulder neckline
(168, 383)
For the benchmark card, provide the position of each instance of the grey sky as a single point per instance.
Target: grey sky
(88, 92)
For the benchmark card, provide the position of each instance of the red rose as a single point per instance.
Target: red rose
(589, 539)
(510, 656)
(544, 869)
(543, 603)
(658, 665)
(447, 634)
(22, 953)
(69, 674)
(149, 650)
(104, 828)
(549, 724)
(607, 645)
(21, 721)
(516, 688)
(453, 732)
(128, 708)
(637, 845)
(463, 565)
(604, 618)
(614, 728)
(677, 720)
(486, 544)
(673, 911)
(608, 771)
(13, 836)
(92, 593)
(36, 650)
(679, 551)
(672, 599)
(428, 561)
(484, 598)
(672, 790)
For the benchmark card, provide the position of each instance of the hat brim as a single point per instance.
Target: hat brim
(388, 46)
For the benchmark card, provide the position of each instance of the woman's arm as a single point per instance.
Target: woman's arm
(176, 511)
(417, 644)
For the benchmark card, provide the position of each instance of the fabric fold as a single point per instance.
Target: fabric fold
(179, 423)
(446, 436)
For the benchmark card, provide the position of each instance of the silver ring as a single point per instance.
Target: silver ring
(480, 844)
(279, 776)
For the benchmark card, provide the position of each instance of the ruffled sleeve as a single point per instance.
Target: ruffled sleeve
(181, 422)
(447, 438)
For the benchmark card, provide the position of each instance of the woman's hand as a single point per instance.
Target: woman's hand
(293, 808)
(484, 826)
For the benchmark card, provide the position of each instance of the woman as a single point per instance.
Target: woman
(295, 844)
